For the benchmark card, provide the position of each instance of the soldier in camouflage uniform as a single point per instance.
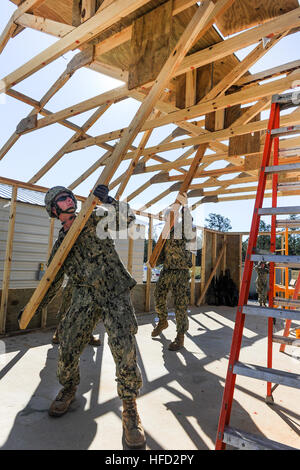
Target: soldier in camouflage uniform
(64, 307)
(262, 282)
(101, 291)
(175, 276)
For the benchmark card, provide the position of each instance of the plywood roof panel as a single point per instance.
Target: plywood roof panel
(244, 14)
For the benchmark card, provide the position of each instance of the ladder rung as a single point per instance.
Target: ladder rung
(279, 168)
(290, 130)
(279, 210)
(288, 223)
(268, 312)
(288, 341)
(268, 375)
(286, 302)
(246, 441)
(284, 260)
(286, 100)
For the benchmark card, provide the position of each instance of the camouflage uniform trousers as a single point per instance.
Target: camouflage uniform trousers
(178, 281)
(262, 288)
(75, 329)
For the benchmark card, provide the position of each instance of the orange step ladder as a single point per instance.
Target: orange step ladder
(226, 434)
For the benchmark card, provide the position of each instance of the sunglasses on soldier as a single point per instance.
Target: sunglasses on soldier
(63, 198)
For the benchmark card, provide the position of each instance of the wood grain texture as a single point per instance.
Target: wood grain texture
(150, 45)
(247, 13)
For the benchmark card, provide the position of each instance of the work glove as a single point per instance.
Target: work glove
(101, 192)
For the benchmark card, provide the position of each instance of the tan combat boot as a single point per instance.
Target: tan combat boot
(178, 343)
(55, 339)
(161, 325)
(133, 429)
(62, 402)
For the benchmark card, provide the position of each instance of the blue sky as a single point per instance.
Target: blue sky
(36, 148)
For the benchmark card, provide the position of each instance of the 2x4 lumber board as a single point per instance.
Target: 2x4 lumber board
(241, 97)
(54, 28)
(196, 25)
(59, 83)
(229, 46)
(11, 26)
(8, 259)
(83, 33)
(189, 127)
(241, 69)
(149, 270)
(171, 218)
(219, 135)
(104, 98)
(134, 161)
(45, 112)
(63, 150)
(253, 94)
(269, 73)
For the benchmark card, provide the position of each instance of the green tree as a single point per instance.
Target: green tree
(218, 222)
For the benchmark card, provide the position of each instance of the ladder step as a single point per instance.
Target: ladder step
(288, 341)
(268, 312)
(279, 210)
(286, 302)
(268, 375)
(290, 130)
(286, 100)
(279, 168)
(284, 260)
(246, 441)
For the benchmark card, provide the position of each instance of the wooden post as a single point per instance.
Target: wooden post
(8, 258)
(211, 275)
(149, 270)
(224, 258)
(130, 254)
(50, 243)
(203, 261)
(193, 279)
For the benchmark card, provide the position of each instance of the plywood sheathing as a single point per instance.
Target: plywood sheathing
(121, 57)
(247, 13)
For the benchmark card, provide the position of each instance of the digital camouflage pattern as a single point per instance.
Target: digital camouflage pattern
(175, 275)
(262, 282)
(99, 286)
(178, 281)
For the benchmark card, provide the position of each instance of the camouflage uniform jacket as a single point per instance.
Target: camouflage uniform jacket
(94, 262)
(174, 254)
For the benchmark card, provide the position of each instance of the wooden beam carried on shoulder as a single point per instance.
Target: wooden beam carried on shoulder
(197, 25)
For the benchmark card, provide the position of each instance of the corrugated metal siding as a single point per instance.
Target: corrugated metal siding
(30, 245)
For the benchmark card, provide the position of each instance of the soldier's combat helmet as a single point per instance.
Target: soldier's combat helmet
(50, 197)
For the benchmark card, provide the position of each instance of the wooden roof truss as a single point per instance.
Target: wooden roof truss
(181, 70)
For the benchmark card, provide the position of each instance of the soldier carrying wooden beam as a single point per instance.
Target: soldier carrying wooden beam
(101, 290)
(175, 276)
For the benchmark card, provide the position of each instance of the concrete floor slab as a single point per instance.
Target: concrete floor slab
(180, 399)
